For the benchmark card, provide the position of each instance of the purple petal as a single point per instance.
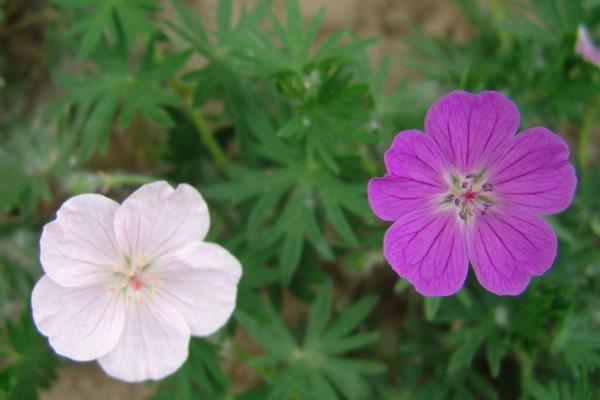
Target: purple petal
(472, 129)
(535, 175)
(428, 249)
(415, 155)
(391, 197)
(507, 249)
(415, 169)
(584, 46)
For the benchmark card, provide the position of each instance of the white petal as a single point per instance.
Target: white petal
(79, 247)
(153, 345)
(82, 323)
(202, 285)
(156, 219)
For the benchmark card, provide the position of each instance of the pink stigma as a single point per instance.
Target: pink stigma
(470, 195)
(136, 283)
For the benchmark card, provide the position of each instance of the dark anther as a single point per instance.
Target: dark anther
(457, 202)
(465, 184)
(488, 204)
(462, 215)
(487, 187)
(449, 197)
(470, 176)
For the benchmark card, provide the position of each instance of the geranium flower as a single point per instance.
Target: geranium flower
(468, 189)
(128, 284)
(584, 46)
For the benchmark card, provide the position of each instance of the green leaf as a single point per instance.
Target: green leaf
(95, 18)
(33, 363)
(224, 15)
(339, 221)
(463, 355)
(316, 368)
(97, 99)
(319, 316)
(431, 305)
(578, 342)
(291, 252)
(200, 376)
(556, 390)
(353, 316)
(401, 285)
(495, 350)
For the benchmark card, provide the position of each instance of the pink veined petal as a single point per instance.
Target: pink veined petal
(79, 247)
(507, 249)
(415, 155)
(429, 249)
(391, 197)
(584, 46)
(201, 283)
(472, 129)
(535, 175)
(157, 219)
(415, 173)
(82, 323)
(153, 345)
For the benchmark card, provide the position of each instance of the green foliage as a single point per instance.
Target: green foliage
(31, 363)
(311, 195)
(29, 157)
(579, 344)
(315, 366)
(114, 89)
(18, 265)
(280, 124)
(200, 377)
(560, 391)
(109, 19)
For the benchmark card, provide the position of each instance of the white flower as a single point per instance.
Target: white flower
(128, 284)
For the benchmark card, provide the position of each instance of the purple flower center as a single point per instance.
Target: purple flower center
(469, 195)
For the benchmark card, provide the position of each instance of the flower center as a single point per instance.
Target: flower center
(136, 283)
(135, 279)
(470, 195)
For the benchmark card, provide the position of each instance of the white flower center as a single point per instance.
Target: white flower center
(134, 279)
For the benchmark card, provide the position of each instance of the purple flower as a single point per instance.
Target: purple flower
(469, 189)
(584, 46)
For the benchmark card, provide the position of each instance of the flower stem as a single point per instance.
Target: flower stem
(585, 134)
(499, 16)
(526, 367)
(197, 119)
(206, 136)
(366, 162)
(87, 182)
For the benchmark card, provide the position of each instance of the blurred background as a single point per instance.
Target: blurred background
(279, 113)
